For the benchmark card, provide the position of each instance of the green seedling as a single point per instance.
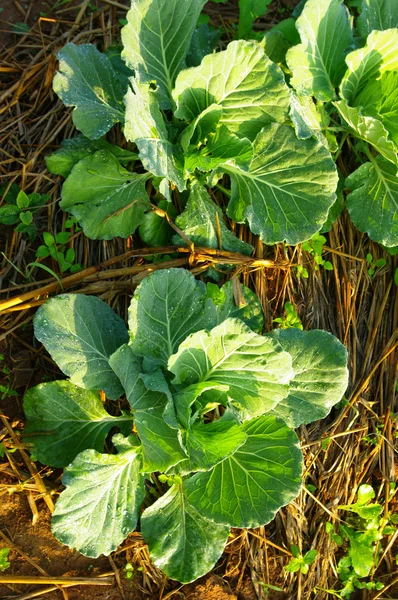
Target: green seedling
(290, 318)
(374, 264)
(360, 537)
(4, 563)
(300, 562)
(56, 248)
(314, 246)
(19, 209)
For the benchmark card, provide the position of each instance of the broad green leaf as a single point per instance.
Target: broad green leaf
(165, 309)
(156, 40)
(107, 200)
(199, 223)
(161, 447)
(379, 99)
(239, 302)
(201, 127)
(63, 420)
(288, 189)
(366, 64)
(208, 444)
(318, 63)
(81, 333)
(255, 368)
(155, 230)
(320, 374)
(250, 89)
(186, 397)
(101, 503)
(220, 147)
(369, 129)
(145, 126)
(276, 45)
(373, 202)
(388, 103)
(377, 14)
(123, 72)
(249, 11)
(311, 120)
(336, 208)
(181, 542)
(62, 161)
(204, 40)
(87, 81)
(247, 488)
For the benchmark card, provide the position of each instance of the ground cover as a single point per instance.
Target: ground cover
(353, 296)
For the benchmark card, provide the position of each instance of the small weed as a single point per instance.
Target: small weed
(314, 246)
(19, 209)
(55, 247)
(300, 562)
(5, 388)
(374, 264)
(4, 564)
(361, 538)
(290, 318)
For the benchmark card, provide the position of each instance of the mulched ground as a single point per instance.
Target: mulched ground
(354, 445)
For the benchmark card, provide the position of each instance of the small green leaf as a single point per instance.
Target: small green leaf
(249, 11)
(208, 444)
(62, 237)
(70, 255)
(373, 201)
(310, 556)
(377, 14)
(155, 230)
(4, 563)
(26, 217)
(146, 127)
(81, 333)
(238, 302)
(9, 214)
(49, 239)
(22, 200)
(62, 161)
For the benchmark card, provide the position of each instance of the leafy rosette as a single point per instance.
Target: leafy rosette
(208, 407)
(362, 85)
(194, 116)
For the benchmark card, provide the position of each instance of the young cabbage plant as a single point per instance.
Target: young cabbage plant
(228, 115)
(354, 71)
(211, 404)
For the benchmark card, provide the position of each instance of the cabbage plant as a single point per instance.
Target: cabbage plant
(212, 407)
(354, 70)
(194, 117)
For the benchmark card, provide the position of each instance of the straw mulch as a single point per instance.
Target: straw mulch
(354, 445)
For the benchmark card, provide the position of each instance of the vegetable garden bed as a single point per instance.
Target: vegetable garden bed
(230, 192)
